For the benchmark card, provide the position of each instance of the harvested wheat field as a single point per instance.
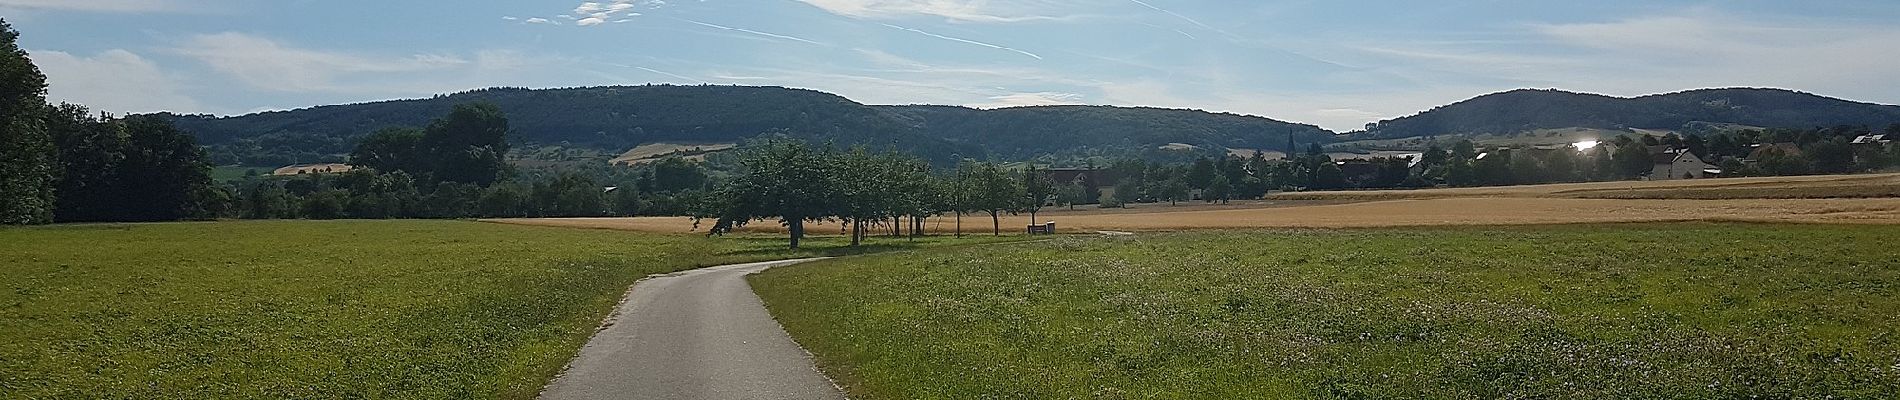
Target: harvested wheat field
(1783, 187)
(1424, 212)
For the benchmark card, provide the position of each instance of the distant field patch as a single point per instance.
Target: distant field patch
(1782, 187)
(301, 169)
(651, 152)
(331, 309)
(1693, 310)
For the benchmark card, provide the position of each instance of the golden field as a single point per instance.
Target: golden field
(1854, 199)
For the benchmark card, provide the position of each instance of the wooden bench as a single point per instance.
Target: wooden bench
(1042, 229)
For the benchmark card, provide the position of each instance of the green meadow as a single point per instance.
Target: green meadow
(1698, 311)
(324, 309)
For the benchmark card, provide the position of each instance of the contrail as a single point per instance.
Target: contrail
(1032, 55)
(1182, 17)
(770, 35)
(659, 72)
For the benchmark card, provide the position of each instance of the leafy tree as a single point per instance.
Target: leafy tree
(505, 200)
(1464, 150)
(325, 204)
(268, 200)
(1776, 162)
(1221, 190)
(1831, 156)
(1174, 190)
(27, 167)
(392, 149)
(1200, 174)
(995, 191)
(468, 145)
(1128, 190)
(1075, 193)
(1037, 191)
(790, 181)
(169, 172)
(90, 153)
(1460, 174)
(1633, 160)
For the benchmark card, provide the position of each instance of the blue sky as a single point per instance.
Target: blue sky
(1337, 64)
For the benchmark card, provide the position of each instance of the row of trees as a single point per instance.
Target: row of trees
(65, 164)
(794, 182)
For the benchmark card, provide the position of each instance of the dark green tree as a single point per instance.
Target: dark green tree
(1220, 190)
(392, 149)
(790, 181)
(1201, 173)
(1038, 190)
(90, 153)
(169, 172)
(27, 167)
(468, 145)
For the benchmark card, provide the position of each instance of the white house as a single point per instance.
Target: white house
(1681, 165)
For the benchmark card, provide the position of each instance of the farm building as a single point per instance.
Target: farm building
(1760, 151)
(1681, 165)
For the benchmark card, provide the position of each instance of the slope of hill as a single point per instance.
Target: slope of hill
(1027, 132)
(621, 117)
(1525, 110)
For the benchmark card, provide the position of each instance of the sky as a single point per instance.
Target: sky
(1336, 64)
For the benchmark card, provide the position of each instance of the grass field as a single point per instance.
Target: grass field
(234, 173)
(341, 309)
(1696, 310)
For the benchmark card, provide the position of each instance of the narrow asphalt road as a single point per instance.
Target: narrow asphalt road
(699, 334)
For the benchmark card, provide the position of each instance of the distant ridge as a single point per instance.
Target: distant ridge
(621, 117)
(1530, 109)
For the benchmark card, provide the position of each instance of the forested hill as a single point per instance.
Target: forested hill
(1027, 132)
(1525, 110)
(620, 117)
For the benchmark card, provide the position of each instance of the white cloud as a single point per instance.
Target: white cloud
(591, 13)
(115, 81)
(273, 66)
(954, 10)
(93, 5)
(1030, 99)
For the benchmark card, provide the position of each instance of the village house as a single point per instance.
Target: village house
(1681, 164)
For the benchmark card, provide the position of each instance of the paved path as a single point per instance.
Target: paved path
(699, 334)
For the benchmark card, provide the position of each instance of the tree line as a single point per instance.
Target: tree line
(795, 183)
(63, 163)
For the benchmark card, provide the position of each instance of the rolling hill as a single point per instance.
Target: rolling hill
(1526, 110)
(617, 118)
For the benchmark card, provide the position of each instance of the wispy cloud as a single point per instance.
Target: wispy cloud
(967, 41)
(1184, 18)
(978, 11)
(112, 81)
(94, 5)
(271, 65)
(1030, 99)
(743, 30)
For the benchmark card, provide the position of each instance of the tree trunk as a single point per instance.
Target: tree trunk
(1032, 217)
(798, 231)
(996, 224)
(857, 232)
(959, 224)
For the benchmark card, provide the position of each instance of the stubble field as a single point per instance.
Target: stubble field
(1858, 199)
